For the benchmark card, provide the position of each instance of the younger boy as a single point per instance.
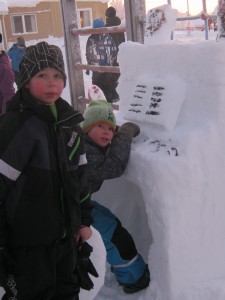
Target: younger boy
(107, 153)
(44, 198)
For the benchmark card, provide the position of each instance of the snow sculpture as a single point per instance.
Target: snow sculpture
(160, 22)
(156, 100)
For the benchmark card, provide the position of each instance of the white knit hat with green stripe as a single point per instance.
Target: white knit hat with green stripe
(98, 112)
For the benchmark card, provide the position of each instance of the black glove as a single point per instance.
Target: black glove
(87, 72)
(130, 128)
(85, 267)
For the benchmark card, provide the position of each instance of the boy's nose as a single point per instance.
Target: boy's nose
(52, 81)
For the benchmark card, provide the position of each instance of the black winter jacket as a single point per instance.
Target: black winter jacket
(43, 184)
(109, 162)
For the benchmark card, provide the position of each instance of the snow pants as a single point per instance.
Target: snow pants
(127, 265)
(43, 272)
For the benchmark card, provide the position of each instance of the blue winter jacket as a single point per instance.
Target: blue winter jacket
(16, 53)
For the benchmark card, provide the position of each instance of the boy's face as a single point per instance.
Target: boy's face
(47, 85)
(101, 135)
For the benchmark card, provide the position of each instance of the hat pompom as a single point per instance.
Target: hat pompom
(98, 112)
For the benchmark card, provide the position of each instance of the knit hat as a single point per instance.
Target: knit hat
(110, 12)
(98, 23)
(38, 57)
(20, 41)
(98, 112)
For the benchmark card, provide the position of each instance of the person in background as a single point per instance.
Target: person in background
(6, 81)
(108, 153)
(92, 56)
(113, 20)
(101, 50)
(44, 193)
(16, 53)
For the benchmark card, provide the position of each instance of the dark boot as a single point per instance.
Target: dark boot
(140, 284)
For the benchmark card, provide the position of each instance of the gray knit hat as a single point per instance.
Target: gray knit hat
(98, 112)
(38, 57)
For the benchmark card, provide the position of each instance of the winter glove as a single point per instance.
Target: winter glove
(130, 128)
(85, 267)
(87, 72)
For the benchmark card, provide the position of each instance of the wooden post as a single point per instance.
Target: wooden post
(221, 19)
(73, 54)
(135, 13)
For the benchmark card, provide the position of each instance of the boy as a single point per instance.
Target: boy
(44, 199)
(101, 50)
(107, 154)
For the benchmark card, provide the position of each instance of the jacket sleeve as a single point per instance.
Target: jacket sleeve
(3, 187)
(13, 158)
(85, 197)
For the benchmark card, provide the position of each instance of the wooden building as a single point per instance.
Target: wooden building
(44, 19)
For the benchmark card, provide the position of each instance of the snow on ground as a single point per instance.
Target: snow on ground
(171, 197)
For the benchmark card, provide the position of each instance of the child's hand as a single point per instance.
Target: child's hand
(130, 128)
(83, 234)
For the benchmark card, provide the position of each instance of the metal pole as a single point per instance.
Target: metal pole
(188, 8)
(206, 20)
(169, 2)
(129, 20)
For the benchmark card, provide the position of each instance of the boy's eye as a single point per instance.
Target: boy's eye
(41, 75)
(110, 129)
(58, 75)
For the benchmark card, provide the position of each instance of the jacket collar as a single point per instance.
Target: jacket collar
(23, 100)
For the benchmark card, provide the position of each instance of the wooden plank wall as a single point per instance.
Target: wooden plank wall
(49, 20)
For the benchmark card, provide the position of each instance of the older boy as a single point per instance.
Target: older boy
(44, 198)
(107, 154)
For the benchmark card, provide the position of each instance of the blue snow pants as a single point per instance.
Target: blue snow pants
(127, 265)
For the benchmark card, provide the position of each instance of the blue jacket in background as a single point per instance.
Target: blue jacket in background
(16, 53)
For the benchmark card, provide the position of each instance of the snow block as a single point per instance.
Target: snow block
(180, 172)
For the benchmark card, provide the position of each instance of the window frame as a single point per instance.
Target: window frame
(23, 24)
(79, 10)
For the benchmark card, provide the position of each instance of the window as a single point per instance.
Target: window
(85, 17)
(23, 24)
